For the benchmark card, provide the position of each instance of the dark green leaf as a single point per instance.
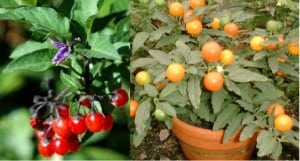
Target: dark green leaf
(150, 90)
(42, 17)
(83, 11)
(217, 100)
(141, 62)
(268, 92)
(156, 35)
(101, 47)
(75, 65)
(273, 64)
(28, 47)
(37, 61)
(166, 108)
(247, 106)
(194, 57)
(225, 116)
(288, 69)
(169, 89)
(231, 86)
(139, 41)
(17, 3)
(245, 75)
(160, 56)
(194, 91)
(248, 132)
(69, 80)
(233, 126)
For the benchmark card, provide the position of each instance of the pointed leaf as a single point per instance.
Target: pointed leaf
(265, 140)
(160, 56)
(234, 126)
(37, 61)
(245, 75)
(46, 18)
(141, 62)
(156, 35)
(84, 10)
(273, 64)
(101, 47)
(169, 89)
(217, 100)
(248, 132)
(69, 80)
(28, 47)
(166, 108)
(225, 116)
(194, 91)
(142, 115)
(247, 106)
(231, 86)
(139, 41)
(150, 90)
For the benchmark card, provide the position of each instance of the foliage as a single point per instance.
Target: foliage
(98, 62)
(250, 83)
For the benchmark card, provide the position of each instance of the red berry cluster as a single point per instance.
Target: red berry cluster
(59, 132)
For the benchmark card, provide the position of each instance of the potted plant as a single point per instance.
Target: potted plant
(229, 69)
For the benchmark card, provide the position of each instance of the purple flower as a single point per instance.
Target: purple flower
(63, 52)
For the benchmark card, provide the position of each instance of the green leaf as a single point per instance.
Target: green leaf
(69, 80)
(231, 86)
(139, 41)
(248, 132)
(101, 47)
(119, 45)
(28, 47)
(156, 35)
(37, 61)
(75, 65)
(141, 62)
(233, 126)
(217, 100)
(265, 140)
(83, 11)
(247, 106)
(194, 91)
(244, 75)
(277, 150)
(259, 55)
(225, 116)
(288, 69)
(268, 92)
(273, 64)
(138, 138)
(46, 18)
(160, 56)
(17, 3)
(169, 89)
(166, 108)
(142, 115)
(150, 90)
(171, 39)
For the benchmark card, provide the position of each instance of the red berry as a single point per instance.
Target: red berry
(74, 143)
(77, 124)
(94, 122)
(45, 147)
(60, 146)
(63, 110)
(108, 122)
(61, 127)
(86, 102)
(119, 98)
(45, 133)
(36, 123)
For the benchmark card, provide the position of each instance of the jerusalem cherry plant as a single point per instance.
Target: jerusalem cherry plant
(88, 49)
(222, 65)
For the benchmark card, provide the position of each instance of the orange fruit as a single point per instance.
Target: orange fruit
(211, 51)
(196, 3)
(283, 123)
(227, 57)
(231, 29)
(215, 24)
(133, 107)
(276, 109)
(175, 72)
(176, 9)
(281, 40)
(213, 81)
(293, 48)
(160, 86)
(187, 18)
(280, 73)
(193, 27)
(256, 43)
(281, 59)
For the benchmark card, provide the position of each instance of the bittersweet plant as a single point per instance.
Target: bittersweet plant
(87, 43)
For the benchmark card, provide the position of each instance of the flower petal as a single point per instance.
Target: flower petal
(57, 44)
(61, 55)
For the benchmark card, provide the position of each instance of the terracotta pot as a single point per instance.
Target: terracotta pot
(204, 144)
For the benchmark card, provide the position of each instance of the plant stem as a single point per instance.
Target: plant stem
(86, 74)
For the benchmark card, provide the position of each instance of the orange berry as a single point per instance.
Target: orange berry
(211, 51)
(283, 123)
(133, 107)
(276, 109)
(187, 18)
(215, 24)
(281, 59)
(293, 48)
(176, 9)
(175, 72)
(227, 57)
(196, 3)
(280, 73)
(231, 29)
(213, 81)
(194, 27)
(256, 43)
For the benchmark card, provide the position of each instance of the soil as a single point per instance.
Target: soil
(161, 144)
